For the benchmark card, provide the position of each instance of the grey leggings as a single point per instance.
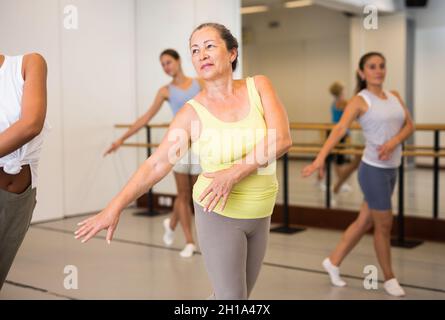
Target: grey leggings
(233, 251)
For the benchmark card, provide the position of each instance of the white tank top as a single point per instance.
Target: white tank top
(11, 91)
(383, 120)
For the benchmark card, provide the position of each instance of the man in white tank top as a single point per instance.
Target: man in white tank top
(22, 126)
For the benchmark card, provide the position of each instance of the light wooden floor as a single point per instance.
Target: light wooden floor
(138, 266)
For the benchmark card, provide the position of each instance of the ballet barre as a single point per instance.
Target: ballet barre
(435, 151)
(430, 151)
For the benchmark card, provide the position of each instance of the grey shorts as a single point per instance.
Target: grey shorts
(15, 216)
(377, 185)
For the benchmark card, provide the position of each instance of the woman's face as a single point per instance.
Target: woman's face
(374, 71)
(170, 65)
(210, 56)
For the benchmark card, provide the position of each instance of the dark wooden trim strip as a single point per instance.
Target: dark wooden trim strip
(415, 227)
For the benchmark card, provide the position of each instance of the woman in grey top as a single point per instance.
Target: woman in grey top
(386, 123)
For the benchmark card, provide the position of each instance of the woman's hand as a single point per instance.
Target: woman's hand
(386, 150)
(314, 166)
(106, 219)
(114, 146)
(220, 187)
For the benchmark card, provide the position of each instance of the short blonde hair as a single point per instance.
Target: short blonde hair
(336, 88)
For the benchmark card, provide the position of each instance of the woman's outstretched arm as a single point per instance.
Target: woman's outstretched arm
(173, 146)
(354, 108)
(161, 96)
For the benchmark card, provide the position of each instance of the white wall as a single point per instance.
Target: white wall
(429, 69)
(91, 86)
(155, 33)
(389, 39)
(302, 57)
(29, 26)
(99, 80)
(105, 72)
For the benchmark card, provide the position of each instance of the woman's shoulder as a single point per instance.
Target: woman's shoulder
(261, 79)
(397, 97)
(197, 102)
(200, 96)
(164, 91)
(188, 111)
(261, 82)
(396, 94)
(360, 100)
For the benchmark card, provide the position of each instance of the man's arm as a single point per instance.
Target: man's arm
(33, 110)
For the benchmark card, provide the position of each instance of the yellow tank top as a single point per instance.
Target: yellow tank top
(221, 144)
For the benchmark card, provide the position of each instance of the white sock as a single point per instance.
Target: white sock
(188, 250)
(345, 188)
(169, 234)
(334, 273)
(393, 288)
(333, 200)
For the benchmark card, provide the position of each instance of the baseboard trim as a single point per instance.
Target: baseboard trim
(416, 228)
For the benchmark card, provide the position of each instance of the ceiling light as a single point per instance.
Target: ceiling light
(298, 3)
(254, 9)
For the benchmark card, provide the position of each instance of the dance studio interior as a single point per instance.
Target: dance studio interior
(102, 199)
